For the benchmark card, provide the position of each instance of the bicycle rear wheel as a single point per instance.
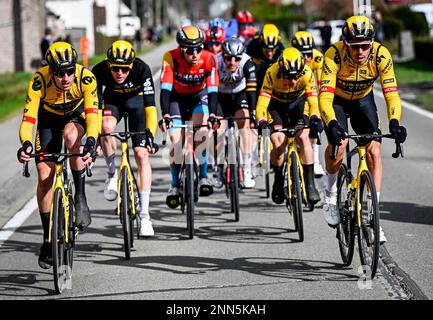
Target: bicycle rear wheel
(368, 231)
(125, 217)
(346, 228)
(57, 242)
(189, 188)
(296, 200)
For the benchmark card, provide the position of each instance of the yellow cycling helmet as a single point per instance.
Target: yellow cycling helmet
(358, 28)
(61, 55)
(190, 37)
(270, 36)
(303, 41)
(120, 53)
(291, 63)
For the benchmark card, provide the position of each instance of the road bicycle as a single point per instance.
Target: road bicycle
(294, 179)
(233, 171)
(264, 151)
(358, 205)
(62, 227)
(128, 200)
(188, 173)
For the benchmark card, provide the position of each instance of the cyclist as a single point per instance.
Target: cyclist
(246, 28)
(265, 50)
(350, 68)
(189, 88)
(62, 98)
(237, 97)
(288, 83)
(214, 38)
(303, 41)
(126, 85)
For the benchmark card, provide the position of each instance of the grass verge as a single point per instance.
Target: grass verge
(13, 87)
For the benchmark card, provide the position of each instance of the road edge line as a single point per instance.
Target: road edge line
(17, 220)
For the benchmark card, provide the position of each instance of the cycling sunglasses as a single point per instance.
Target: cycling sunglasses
(215, 43)
(307, 54)
(62, 72)
(230, 58)
(118, 68)
(191, 51)
(357, 46)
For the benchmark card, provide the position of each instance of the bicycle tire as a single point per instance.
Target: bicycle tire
(234, 190)
(69, 256)
(137, 204)
(297, 197)
(57, 242)
(368, 231)
(267, 165)
(189, 181)
(346, 228)
(124, 216)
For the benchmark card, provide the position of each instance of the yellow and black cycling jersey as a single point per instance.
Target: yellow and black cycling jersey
(43, 93)
(316, 64)
(341, 76)
(275, 86)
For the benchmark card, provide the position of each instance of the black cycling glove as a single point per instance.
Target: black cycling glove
(336, 133)
(398, 132)
(24, 148)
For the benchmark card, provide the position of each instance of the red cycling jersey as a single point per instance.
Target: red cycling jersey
(186, 79)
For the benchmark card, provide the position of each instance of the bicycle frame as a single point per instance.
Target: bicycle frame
(356, 181)
(292, 148)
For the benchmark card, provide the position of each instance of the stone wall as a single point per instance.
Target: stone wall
(32, 20)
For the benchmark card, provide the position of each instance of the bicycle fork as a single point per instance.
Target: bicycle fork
(125, 164)
(64, 199)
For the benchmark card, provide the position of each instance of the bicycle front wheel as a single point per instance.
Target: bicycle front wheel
(296, 200)
(69, 256)
(234, 190)
(346, 229)
(125, 217)
(189, 182)
(267, 165)
(57, 242)
(368, 231)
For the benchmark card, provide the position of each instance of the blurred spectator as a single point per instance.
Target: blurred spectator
(326, 33)
(378, 26)
(138, 38)
(45, 43)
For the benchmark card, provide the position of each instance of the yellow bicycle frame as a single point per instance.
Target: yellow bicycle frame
(292, 148)
(356, 182)
(59, 184)
(125, 164)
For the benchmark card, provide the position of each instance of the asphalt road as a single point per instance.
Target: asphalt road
(255, 258)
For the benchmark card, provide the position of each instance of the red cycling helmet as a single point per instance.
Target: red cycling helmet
(215, 34)
(244, 17)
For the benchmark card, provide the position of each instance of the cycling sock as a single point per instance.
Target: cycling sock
(330, 182)
(247, 161)
(111, 165)
(308, 174)
(45, 219)
(278, 174)
(316, 153)
(175, 170)
(202, 170)
(144, 199)
(79, 181)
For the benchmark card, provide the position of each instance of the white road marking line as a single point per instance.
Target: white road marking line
(17, 220)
